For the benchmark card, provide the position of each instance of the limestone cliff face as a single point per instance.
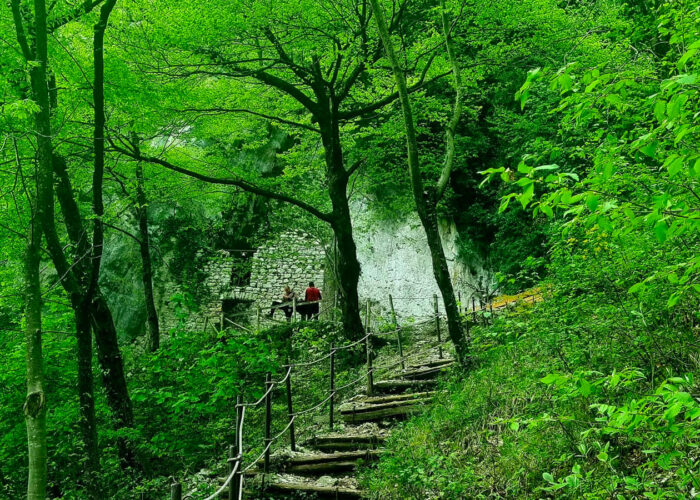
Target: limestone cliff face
(396, 260)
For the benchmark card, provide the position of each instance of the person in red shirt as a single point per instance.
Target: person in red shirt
(312, 295)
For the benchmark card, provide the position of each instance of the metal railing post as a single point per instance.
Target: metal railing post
(290, 411)
(330, 415)
(437, 325)
(473, 310)
(257, 320)
(368, 350)
(268, 419)
(398, 332)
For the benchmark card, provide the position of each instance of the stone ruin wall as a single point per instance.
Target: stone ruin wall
(292, 259)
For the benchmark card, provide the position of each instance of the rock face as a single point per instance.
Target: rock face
(396, 260)
(293, 259)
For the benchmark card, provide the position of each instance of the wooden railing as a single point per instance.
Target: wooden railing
(235, 478)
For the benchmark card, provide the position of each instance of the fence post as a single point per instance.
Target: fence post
(330, 415)
(368, 350)
(175, 491)
(473, 310)
(290, 411)
(268, 419)
(437, 325)
(398, 331)
(294, 310)
(235, 484)
(335, 305)
(232, 457)
(257, 319)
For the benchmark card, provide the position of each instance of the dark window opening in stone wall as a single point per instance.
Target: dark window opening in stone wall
(242, 268)
(236, 310)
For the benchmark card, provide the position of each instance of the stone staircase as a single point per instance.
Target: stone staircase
(327, 467)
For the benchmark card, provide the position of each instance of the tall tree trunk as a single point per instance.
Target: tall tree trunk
(103, 324)
(88, 425)
(337, 176)
(35, 403)
(113, 377)
(146, 266)
(425, 200)
(106, 340)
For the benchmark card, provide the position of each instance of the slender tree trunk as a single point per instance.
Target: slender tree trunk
(146, 267)
(88, 425)
(425, 199)
(348, 265)
(35, 403)
(106, 339)
(113, 377)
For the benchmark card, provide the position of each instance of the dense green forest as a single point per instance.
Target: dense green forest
(166, 166)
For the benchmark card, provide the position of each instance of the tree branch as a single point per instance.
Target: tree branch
(456, 108)
(84, 8)
(244, 185)
(250, 112)
(19, 30)
(355, 113)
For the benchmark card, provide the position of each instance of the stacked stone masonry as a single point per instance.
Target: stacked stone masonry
(292, 259)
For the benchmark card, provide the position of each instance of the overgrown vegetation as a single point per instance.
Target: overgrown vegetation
(560, 138)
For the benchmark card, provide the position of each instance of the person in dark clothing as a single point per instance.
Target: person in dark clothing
(287, 298)
(312, 296)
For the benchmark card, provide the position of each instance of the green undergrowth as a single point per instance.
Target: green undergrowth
(575, 397)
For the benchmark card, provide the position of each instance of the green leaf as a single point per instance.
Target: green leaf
(548, 477)
(660, 110)
(661, 230)
(592, 202)
(650, 149)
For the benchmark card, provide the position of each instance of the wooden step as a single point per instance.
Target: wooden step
(423, 373)
(434, 363)
(337, 442)
(395, 397)
(321, 463)
(393, 386)
(332, 492)
(360, 411)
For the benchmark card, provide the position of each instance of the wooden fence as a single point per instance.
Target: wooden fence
(234, 482)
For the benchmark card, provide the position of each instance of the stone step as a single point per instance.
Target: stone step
(393, 386)
(339, 442)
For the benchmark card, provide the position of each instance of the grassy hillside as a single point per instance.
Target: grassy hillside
(592, 393)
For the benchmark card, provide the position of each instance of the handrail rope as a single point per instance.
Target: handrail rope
(313, 362)
(353, 344)
(309, 410)
(269, 444)
(358, 379)
(226, 483)
(289, 372)
(262, 398)
(238, 459)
